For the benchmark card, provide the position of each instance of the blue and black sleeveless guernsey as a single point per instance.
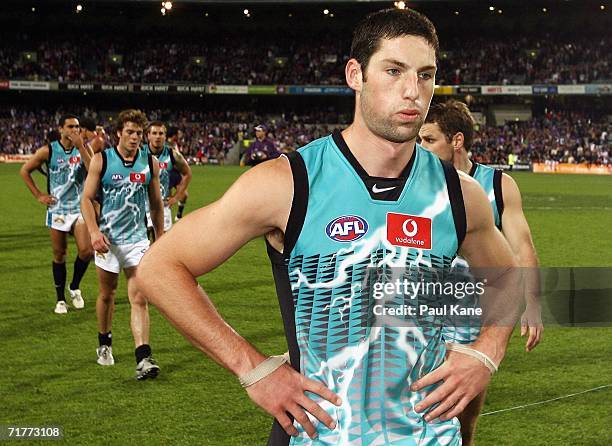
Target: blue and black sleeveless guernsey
(123, 196)
(166, 164)
(491, 181)
(344, 223)
(65, 179)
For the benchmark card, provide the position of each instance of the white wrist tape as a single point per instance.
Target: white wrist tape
(459, 348)
(264, 369)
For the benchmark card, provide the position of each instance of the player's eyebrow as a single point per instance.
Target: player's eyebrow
(405, 66)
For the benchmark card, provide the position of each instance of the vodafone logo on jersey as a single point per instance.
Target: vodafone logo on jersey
(409, 230)
(75, 160)
(136, 177)
(347, 228)
(163, 165)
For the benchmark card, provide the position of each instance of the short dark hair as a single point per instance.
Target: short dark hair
(88, 123)
(63, 118)
(131, 115)
(453, 117)
(389, 24)
(156, 124)
(172, 131)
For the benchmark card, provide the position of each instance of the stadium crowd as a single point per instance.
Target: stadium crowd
(519, 60)
(204, 137)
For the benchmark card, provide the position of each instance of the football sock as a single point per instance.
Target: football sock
(142, 352)
(105, 338)
(59, 278)
(80, 266)
(181, 208)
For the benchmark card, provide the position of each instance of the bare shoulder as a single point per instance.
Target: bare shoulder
(265, 191)
(477, 207)
(510, 189)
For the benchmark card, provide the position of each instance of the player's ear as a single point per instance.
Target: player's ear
(458, 141)
(353, 74)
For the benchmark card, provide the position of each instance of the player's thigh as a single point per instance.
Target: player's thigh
(83, 241)
(59, 242)
(107, 281)
(134, 294)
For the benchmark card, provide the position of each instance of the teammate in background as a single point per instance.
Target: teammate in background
(93, 135)
(393, 385)
(174, 138)
(261, 149)
(126, 176)
(169, 159)
(66, 160)
(448, 132)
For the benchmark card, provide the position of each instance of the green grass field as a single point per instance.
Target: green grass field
(49, 374)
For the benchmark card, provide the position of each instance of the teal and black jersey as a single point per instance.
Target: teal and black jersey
(490, 180)
(65, 178)
(343, 224)
(166, 164)
(123, 196)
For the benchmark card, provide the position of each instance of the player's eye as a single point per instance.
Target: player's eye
(393, 71)
(426, 76)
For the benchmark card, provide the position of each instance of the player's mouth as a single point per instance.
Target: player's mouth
(409, 114)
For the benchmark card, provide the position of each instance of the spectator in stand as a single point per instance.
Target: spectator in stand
(260, 150)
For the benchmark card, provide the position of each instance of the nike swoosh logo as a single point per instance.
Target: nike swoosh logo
(376, 190)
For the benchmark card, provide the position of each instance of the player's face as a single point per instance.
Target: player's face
(87, 134)
(399, 85)
(157, 136)
(260, 134)
(131, 136)
(435, 141)
(70, 127)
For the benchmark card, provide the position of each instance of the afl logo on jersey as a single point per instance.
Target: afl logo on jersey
(347, 228)
(409, 230)
(116, 177)
(136, 177)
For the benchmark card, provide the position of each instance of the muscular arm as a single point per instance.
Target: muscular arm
(185, 171)
(204, 240)
(516, 230)
(155, 202)
(486, 251)
(98, 240)
(40, 157)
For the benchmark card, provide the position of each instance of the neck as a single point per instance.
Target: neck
(463, 163)
(66, 143)
(126, 152)
(156, 150)
(379, 157)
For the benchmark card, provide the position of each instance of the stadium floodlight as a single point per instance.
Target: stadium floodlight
(33, 9)
(400, 5)
(456, 12)
(167, 5)
(499, 11)
(326, 11)
(544, 10)
(163, 11)
(602, 7)
(491, 8)
(79, 8)
(246, 12)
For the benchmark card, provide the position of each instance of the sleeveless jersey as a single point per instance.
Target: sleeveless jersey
(344, 223)
(65, 178)
(166, 164)
(123, 196)
(490, 180)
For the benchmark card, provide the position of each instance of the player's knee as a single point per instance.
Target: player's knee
(59, 255)
(137, 298)
(86, 253)
(107, 296)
